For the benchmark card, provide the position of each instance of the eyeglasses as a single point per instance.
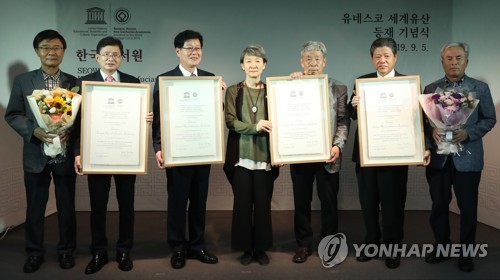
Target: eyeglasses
(111, 55)
(191, 49)
(45, 49)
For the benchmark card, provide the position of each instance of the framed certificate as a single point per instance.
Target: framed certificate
(191, 120)
(299, 110)
(114, 132)
(390, 122)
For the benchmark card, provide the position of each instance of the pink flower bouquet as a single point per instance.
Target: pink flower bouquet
(55, 112)
(448, 110)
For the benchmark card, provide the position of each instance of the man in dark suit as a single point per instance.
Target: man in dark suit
(38, 168)
(462, 171)
(381, 185)
(184, 183)
(109, 53)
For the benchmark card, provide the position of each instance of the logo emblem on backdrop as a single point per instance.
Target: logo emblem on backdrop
(122, 15)
(95, 15)
(332, 250)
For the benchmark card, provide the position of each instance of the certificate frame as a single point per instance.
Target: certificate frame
(123, 101)
(399, 138)
(294, 141)
(191, 120)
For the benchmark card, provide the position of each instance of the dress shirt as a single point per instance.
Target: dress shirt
(114, 75)
(186, 73)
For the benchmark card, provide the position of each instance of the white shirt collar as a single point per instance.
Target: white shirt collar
(391, 74)
(186, 72)
(115, 75)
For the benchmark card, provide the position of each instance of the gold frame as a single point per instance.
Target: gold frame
(322, 137)
(87, 130)
(404, 136)
(214, 149)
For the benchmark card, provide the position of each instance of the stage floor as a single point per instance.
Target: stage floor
(151, 253)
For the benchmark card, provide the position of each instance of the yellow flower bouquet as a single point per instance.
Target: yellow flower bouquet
(55, 111)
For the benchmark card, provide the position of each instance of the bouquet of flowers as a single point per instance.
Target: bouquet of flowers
(55, 112)
(448, 110)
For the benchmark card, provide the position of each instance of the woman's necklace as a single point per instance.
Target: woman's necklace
(254, 104)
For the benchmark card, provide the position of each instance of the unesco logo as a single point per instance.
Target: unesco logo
(332, 250)
(122, 16)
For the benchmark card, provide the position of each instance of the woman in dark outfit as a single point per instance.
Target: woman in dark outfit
(248, 162)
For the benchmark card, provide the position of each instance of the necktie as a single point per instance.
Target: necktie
(193, 75)
(110, 79)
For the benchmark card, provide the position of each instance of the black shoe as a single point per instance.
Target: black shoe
(301, 255)
(203, 256)
(363, 257)
(246, 258)
(432, 257)
(178, 259)
(66, 261)
(97, 262)
(33, 263)
(465, 264)
(261, 257)
(124, 261)
(392, 262)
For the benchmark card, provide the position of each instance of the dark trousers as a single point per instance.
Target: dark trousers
(99, 187)
(187, 184)
(465, 185)
(303, 176)
(252, 224)
(37, 194)
(384, 186)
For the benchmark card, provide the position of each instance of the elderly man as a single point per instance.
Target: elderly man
(462, 171)
(313, 61)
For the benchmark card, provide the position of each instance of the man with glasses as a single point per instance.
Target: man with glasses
(184, 183)
(38, 168)
(109, 56)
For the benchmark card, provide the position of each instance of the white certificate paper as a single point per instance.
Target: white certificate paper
(299, 132)
(115, 123)
(390, 122)
(192, 114)
(390, 130)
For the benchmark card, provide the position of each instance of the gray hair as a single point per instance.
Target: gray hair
(313, 46)
(462, 45)
(254, 50)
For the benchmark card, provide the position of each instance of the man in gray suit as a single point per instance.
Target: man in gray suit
(38, 168)
(326, 174)
(463, 171)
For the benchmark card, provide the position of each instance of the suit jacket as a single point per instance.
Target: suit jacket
(156, 104)
(95, 77)
(354, 116)
(20, 117)
(339, 120)
(481, 121)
